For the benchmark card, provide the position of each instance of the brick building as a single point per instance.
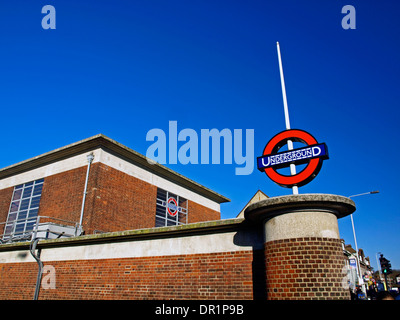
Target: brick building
(146, 232)
(123, 191)
(353, 262)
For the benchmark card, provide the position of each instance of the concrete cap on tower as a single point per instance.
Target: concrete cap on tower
(266, 209)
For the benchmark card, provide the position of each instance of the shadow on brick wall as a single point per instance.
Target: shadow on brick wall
(250, 235)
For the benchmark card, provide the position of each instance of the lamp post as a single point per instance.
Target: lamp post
(379, 267)
(360, 280)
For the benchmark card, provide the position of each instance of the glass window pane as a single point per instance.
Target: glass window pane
(160, 210)
(161, 194)
(33, 213)
(35, 202)
(160, 222)
(171, 223)
(30, 225)
(172, 195)
(24, 204)
(8, 229)
(22, 215)
(27, 192)
(17, 194)
(19, 228)
(37, 190)
(11, 217)
(14, 206)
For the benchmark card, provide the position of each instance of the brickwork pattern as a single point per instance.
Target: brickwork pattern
(62, 195)
(225, 275)
(115, 201)
(305, 269)
(199, 213)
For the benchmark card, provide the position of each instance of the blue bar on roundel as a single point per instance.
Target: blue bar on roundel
(301, 155)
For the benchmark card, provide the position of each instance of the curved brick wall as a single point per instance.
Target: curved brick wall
(305, 268)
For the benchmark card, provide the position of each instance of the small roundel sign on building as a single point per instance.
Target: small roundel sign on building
(172, 206)
(312, 155)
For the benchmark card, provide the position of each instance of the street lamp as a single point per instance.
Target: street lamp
(363, 194)
(379, 269)
(355, 239)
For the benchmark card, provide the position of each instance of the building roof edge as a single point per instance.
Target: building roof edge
(102, 141)
(190, 229)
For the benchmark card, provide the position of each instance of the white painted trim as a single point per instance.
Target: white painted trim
(50, 169)
(113, 161)
(201, 244)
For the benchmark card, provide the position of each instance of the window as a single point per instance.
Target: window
(24, 209)
(171, 209)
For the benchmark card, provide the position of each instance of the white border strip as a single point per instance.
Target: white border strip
(117, 163)
(202, 244)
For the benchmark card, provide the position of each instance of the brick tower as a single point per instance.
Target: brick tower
(303, 253)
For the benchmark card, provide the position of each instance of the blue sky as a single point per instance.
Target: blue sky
(122, 68)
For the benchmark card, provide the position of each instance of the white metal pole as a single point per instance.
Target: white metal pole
(358, 260)
(90, 158)
(360, 280)
(295, 189)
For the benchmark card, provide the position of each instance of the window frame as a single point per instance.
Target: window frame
(24, 209)
(162, 217)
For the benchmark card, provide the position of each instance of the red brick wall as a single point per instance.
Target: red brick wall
(305, 268)
(199, 276)
(62, 195)
(115, 201)
(198, 213)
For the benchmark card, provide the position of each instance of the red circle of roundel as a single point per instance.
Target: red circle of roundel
(175, 203)
(304, 176)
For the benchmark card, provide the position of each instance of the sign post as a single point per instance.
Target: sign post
(312, 155)
(295, 189)
(298, 223)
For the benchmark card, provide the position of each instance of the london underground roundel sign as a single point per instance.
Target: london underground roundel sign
(313, 155)
(172, 206)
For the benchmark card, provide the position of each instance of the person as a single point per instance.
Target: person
(352, 294)
(384, 295)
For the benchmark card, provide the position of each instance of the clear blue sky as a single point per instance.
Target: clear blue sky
(122, 68)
